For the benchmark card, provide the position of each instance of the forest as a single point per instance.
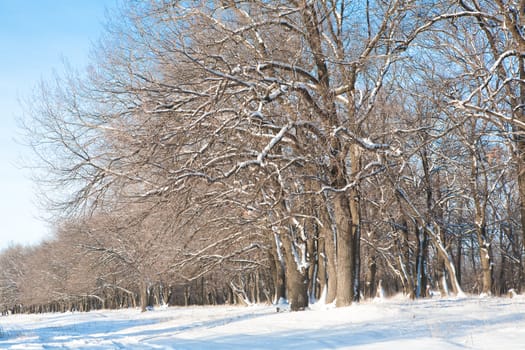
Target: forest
(250, 151)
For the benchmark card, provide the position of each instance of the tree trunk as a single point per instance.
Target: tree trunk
(370, 286)
(520, 137)
(422, 253)
(355, 216)
(187, 295)
(321, 270)
(480, 199)
(485, 259)
(406, 265)
(296, 276)
(344, 246)
(521, 185)
(327, 232)
(445, 258)
(371, 271)
(459, 253)
(277, 269)
(440, 275)
(144, 296)
(313, 268)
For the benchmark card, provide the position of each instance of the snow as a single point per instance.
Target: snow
(397, 323)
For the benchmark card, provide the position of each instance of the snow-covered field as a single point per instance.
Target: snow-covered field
(471, 323)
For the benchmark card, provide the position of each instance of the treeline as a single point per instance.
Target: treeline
(232, 151)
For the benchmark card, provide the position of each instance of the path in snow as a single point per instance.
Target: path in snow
(472, 323)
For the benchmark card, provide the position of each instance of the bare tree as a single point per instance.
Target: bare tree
(287, 138)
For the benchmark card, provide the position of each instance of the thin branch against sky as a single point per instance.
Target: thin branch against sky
(36, 37)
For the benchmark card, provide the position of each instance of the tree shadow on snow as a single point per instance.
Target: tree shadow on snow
(110, 334)
(114, 334)
(451, 334)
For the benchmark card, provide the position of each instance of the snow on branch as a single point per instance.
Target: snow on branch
(496, 65)
(368, 144)
(287, 67)
(272, 143)
(446, 16)
(485, 113)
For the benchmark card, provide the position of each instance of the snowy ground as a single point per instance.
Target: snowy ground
(471, 323)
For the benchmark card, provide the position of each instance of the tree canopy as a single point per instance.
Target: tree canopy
(247, 151)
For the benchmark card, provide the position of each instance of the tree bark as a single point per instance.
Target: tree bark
(328, 234)
(406, 265)
(355, 217)
(344, 246)
(422, 253)
(144, 299)
(296, 276)
(321, 270)
(277, 273)
(486, 261)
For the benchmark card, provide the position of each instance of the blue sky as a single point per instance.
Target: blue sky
(36, 36)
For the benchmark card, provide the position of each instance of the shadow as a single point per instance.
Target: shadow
(106, 331)
(385, 333)
(80, 330)
(376, 335)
